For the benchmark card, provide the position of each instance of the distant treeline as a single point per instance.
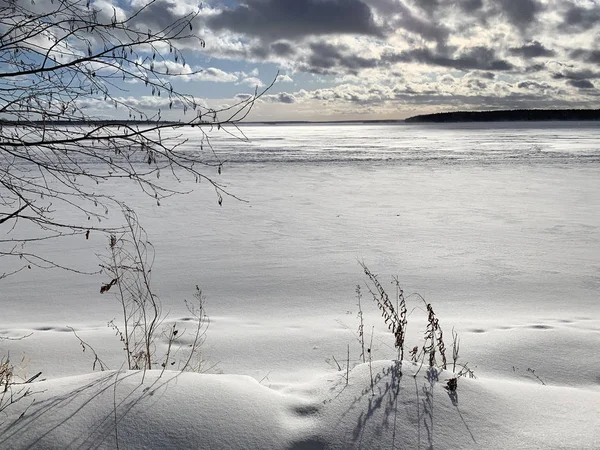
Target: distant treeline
(510, 115)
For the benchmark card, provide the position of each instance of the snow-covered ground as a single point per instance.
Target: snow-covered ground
(499, 228)
(191, 411)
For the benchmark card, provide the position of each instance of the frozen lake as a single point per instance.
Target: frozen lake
(498, 225)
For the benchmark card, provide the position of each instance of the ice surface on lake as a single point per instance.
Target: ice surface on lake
(479, 144)
(495, 224)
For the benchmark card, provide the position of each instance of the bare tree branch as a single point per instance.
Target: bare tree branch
(14, 214)
(59, 62)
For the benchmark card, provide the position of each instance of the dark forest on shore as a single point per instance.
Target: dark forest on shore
(510, 115)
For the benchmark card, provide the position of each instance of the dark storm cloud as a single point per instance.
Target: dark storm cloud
(593, 57)
(581, 84)
(431, 7)
(470, 5)
(535, 68)
(259, 52)
(474, 100)
(590, 56)
(577, 18)
(282, 49)
(474, 58)
(325, 57)
(485, 75)
(292, 19)
(521, 13)
(429, 30)
(533, 49)
(576, 75)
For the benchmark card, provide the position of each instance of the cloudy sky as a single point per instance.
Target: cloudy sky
(390, 59)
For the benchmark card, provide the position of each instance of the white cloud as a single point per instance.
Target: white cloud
(252, 82)
(215, 75)
(284, 79)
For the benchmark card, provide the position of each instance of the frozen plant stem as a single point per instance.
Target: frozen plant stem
(348, 367)
(129, 265)
(370, 350)
(401, 309)
(393, 316)
(361, 325)
(337, 363)
(172, 334)
(455, 348)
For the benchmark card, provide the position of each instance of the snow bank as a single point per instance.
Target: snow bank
(189, 410)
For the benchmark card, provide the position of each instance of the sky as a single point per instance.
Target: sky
(386, 59)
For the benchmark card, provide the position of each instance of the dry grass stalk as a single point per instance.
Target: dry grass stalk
(348, 366)
(414, 354)
(434, 338)
(85, 346)
(129, 266)
(370, 350)
(361, 324)
(173, 332)
(401, 308)
(337, 363)
(6, 373)
(465, 371)
(198, 312)
(396, 323)
(12, 391)
(532, 372)
(455, 349)
(395, 317)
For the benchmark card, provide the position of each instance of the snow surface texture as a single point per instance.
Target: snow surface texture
(499, 228)
(229, 412)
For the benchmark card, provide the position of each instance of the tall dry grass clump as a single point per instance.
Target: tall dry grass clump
(434, 339)
(12, 390)
(395, 314)
(128, 265)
